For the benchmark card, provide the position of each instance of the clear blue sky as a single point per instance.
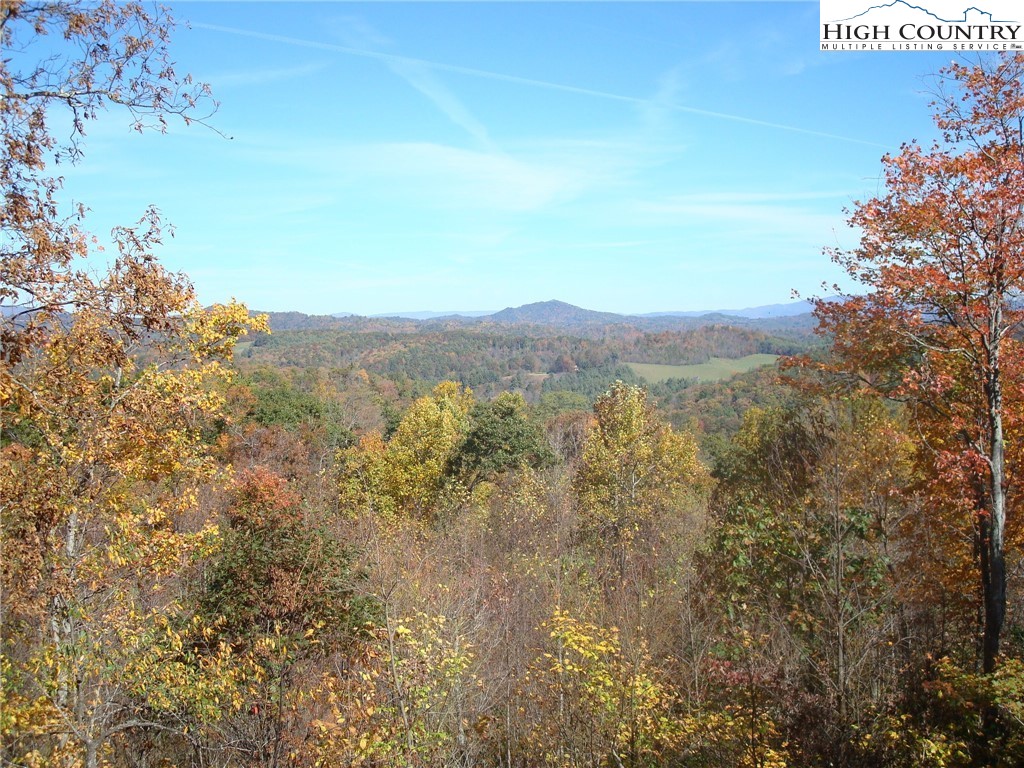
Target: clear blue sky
(628, 157)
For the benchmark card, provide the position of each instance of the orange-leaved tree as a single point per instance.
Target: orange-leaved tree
(941, 258)
(107, 379)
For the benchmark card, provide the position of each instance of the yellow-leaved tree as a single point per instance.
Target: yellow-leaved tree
(408, 475)
(107, 379)
(635, 467)
(595, 704)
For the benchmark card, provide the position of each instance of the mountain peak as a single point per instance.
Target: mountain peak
(553, 312)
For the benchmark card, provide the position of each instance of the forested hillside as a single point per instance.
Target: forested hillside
(397, 543)
(512, 358)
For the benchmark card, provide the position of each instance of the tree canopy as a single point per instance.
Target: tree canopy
(942, 258)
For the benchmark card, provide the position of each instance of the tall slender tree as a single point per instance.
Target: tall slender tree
(941, 258)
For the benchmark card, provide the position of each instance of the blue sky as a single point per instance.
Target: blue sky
(628, 157)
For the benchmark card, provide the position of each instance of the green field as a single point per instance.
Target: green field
(715, 369)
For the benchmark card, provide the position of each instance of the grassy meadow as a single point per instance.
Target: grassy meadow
(715, 369)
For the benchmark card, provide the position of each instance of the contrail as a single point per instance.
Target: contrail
(487, 74)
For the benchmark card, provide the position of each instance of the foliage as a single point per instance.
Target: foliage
(280, 595)
(408, 474)
(405, 703)
(611, 709)
(634, 467)
(453, 589)
(492, 359)
(501, 437)
(314, 408)
(102, 471)
(82, 59)
(718, 409)
(106, 384)
(950, 727)
(940, 256)
(810, 540)
(552, 404)
(279, 572)
(590, 382)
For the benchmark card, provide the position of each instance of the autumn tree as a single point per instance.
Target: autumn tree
(634, 466)
(602, 707)
(808, 545)
(501, 437)
(106, 381)
(408, 474)
(941, 263)
(279, 592)
(82, 59)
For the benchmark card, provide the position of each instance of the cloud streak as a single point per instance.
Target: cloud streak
(423, 80)
(357, 34)
(793, 216)
(439, 176)
(395, 60)
(261, 77)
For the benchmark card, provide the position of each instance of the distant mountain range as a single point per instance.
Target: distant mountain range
(558, 312)
(548, 317)
(789, 309)
(426, 314)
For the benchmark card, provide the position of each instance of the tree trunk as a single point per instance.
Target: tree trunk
(993, 566)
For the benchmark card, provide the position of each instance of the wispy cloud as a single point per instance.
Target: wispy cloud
(770, 44)
(747, 213)
(476, 187)
(658, 110)
(358, 34)
(746, 198)
(440, 176)
(423, 80)
(394, 59)
(258, 77)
